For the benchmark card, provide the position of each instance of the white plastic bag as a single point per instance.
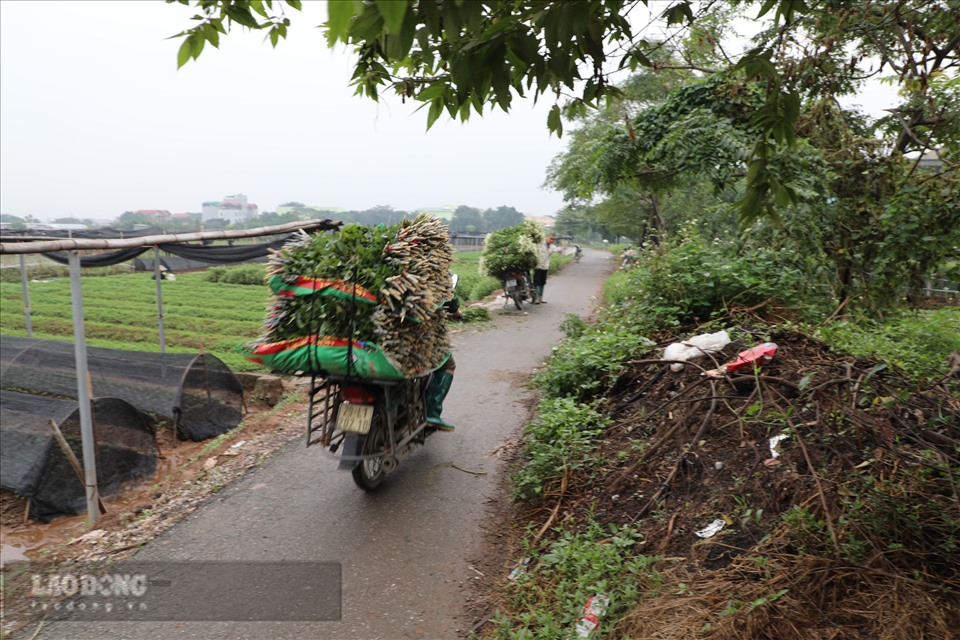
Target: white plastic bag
(695, 347)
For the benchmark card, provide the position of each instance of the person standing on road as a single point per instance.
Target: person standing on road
(540, 273)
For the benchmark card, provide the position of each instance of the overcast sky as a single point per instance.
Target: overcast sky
(95, 120)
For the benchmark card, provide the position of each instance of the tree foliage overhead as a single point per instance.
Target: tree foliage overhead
(460, 57)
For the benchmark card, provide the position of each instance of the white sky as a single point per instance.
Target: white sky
(95, 120)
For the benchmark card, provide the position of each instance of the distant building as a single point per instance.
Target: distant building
(931, 159)
(159, 213)
(232, 209)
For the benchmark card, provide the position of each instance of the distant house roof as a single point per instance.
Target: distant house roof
(153, 212)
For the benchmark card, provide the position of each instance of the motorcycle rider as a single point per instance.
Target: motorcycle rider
(578, 253)
(443, 377)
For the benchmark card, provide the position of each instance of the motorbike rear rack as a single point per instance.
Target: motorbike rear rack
(321, 420)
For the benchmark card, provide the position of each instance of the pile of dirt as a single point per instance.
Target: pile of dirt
(816, 497)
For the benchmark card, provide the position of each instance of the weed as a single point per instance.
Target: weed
(560, 437)
(546, 601)
(582, 365)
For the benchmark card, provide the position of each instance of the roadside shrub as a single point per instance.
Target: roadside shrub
(251, 274)
(693, 280)
(581, 366)
(559, 438)
(473, 286)
(917, 343)
(558, 261)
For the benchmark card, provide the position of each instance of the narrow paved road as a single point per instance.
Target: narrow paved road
(404, 550)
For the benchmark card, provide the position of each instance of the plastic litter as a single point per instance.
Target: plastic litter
(759, 355)
(593, 610)
(695, 347)
(711, 529)
(774, 441)
(520, 569)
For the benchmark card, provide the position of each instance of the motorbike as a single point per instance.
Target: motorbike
(578, 254)
(516, 287)
(369, 424)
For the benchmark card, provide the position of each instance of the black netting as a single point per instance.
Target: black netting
(33, 464)
(197, 391)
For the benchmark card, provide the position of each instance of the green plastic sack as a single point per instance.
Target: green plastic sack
(306, 286)
(327, 354)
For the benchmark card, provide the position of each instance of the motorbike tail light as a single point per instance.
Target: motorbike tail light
(357, 395)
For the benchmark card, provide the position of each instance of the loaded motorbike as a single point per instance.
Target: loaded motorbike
(516, 287)
(369, 424)
(577, 254)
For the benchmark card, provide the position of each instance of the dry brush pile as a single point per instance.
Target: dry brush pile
(834, 481)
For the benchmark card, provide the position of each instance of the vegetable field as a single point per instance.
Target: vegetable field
(121, 313)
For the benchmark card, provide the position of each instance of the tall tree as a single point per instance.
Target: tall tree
(466, 220)
(501, 217)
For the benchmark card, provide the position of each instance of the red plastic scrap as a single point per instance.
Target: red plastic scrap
(759, 355)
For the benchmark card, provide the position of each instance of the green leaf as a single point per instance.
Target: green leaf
(185, 52)
(340, 13)
(436, 108)
(393, 12)
(274, 36)
(554, 121)
(257, 5)
(766, 8)
(241, 15)
(679, 13)
(212, 35)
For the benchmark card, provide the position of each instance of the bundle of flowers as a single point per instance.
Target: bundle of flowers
(514, 247)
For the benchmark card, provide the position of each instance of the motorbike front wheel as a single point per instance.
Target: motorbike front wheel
(369, 473)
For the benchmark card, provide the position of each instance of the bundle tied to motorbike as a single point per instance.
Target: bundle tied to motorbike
(512, 249)
(365, 302)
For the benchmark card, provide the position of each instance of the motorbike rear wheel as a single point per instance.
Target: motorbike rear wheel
(369, 473)
(517, 297)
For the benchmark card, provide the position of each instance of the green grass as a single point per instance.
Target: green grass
(918, 343)
(472, 285)
(120, 312)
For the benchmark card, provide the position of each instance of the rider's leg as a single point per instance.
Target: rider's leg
(437, 391)
(539, 280)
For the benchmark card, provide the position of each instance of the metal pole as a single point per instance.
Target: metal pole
(156, 276)
(26, 295)
(89, 445)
